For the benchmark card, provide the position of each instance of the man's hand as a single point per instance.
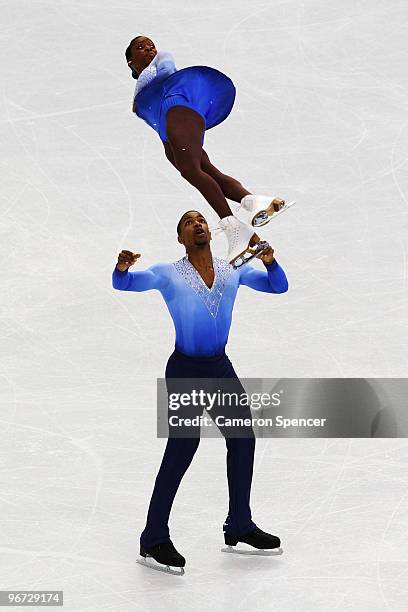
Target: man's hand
(267, 256)
(126, 259)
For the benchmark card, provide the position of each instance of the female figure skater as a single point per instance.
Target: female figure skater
(180, 105)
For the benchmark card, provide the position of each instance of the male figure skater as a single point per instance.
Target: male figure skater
(199, 291)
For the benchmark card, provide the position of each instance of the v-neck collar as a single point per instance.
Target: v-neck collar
(210, 289)
(211, 297)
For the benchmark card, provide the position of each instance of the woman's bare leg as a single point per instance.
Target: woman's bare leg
(185, 130)
(230, 187)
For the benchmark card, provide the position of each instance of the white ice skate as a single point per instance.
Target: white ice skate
(239, 236)
(262, 208)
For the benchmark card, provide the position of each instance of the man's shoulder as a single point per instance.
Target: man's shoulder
(222, 262)
(245, 269)
(162, 268)
(224, 266)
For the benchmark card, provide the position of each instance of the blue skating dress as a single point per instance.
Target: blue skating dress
(160, 86)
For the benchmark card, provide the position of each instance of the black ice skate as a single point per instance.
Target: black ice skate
(163, 557)
(263, 544)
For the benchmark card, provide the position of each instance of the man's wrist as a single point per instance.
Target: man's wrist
(270, 263)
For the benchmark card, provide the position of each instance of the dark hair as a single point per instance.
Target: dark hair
(182, 218)
(128, 55)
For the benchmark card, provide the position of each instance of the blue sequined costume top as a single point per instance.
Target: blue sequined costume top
(201, 316)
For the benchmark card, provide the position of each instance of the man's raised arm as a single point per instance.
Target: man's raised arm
(273, 280)
(123, 280)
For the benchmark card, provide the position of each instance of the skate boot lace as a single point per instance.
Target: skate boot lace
(234, 235)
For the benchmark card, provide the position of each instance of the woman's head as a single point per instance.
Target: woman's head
(139, 54)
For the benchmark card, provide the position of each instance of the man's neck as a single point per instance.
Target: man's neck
(201, 257)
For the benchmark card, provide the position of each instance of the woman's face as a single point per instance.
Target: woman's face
(143, 51)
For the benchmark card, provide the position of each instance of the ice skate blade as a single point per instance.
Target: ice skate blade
(262, 218)
(167, 569)
(241, 260)
(260, 552)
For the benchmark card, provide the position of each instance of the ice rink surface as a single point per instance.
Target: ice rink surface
(320, 117)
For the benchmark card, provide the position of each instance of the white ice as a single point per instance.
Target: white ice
(320, 117)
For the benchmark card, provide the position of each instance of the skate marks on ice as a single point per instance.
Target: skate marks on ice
(259, 552)
(166, 569)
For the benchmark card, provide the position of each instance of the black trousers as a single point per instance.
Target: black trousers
(180, 451)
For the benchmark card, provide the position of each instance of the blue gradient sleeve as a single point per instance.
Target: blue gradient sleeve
(155, 277)
(273, 280)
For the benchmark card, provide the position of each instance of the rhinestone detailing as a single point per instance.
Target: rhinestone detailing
(210, 297)
(146, 77)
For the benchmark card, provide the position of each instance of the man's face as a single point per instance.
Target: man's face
(194, 230)
(143, 51)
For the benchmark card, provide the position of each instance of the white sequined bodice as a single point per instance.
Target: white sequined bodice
(162, 65)
(210, 297)
(146, 76)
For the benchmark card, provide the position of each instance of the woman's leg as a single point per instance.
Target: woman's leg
(185, 130)
(230, 187)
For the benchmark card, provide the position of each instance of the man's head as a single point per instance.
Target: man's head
(139, 54)
(192, 230)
